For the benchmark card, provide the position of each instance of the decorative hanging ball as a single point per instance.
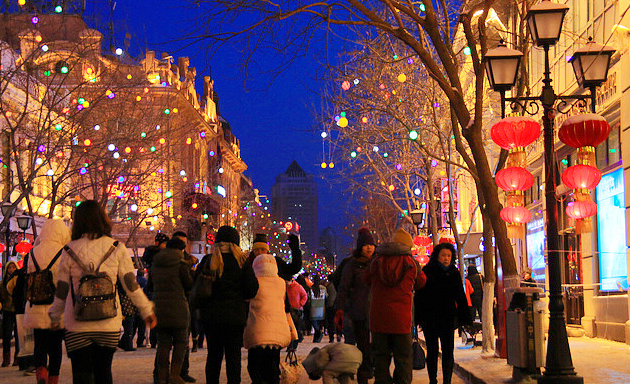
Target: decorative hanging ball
(515, 215)
(23, 247)
(422, 241)
(581, 177)
(514, 132)
(514, 179)
(345, 85)
(581, 209)
(447, 239)
(584, 130)
(402, 78)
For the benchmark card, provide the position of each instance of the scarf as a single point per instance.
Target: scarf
(216, 261)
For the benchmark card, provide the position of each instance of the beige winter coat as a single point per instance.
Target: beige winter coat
(118, 266)
(267, 322)
(54, 235)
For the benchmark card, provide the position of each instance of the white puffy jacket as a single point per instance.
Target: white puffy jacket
(53, 236)
(118, 266)
(267, 323)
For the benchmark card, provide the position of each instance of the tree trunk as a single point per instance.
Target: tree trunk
(487, 317)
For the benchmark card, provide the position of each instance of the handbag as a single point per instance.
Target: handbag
(202, 287)
(290, 370)
(126, 305)
(419, 360)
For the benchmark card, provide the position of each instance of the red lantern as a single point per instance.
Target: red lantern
(581, 209)
(2, 247)
(514, 132)
(514, 179)
(515, 215)
(20, 263)
(422, 241)
(23, 247)
(585, 130)
(447, 239)
(581, 177)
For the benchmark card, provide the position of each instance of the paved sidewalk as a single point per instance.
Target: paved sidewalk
(596, 360)
(135, 368)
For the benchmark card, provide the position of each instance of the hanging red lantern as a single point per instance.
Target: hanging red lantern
(581, 177)
(23, 247)
(20, 263)
(514, 179)
(422, 241)
(2, 247)
(514, 132)
(516, 215)
(447, 239)
(581, 209)
(584, 130)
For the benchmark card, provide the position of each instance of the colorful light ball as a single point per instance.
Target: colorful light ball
(343, 122)
(402, 78)
(345, 85)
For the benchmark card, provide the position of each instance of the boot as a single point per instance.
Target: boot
(174, 378)
(6, 359)
(41, 374)
(53, 380)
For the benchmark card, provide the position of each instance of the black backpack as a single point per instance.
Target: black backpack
(96, 295)
(40, 285)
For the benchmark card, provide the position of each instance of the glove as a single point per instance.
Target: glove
(339, 319)
(294, 242)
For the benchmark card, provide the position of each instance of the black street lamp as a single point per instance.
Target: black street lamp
(24, 222)
(417, 216)
(591, 67)
(8, 210)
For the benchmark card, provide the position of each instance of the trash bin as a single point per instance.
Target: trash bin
(525, 335)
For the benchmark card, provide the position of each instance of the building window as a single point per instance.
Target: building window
(609, 152)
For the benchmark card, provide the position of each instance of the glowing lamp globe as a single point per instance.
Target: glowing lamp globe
(581, 177)
(515, 215)
(581, 209)
(514, 179)
(345, 85)
(584, 130)
(23, 247)
(514, 132)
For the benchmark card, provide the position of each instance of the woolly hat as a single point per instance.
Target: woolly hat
(227, 234)
(260, 241)
(403, 237)
(365, 237)
(161, 238)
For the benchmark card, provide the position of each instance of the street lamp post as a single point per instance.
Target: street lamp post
(590, 65)
(417, 216)
(8, 210)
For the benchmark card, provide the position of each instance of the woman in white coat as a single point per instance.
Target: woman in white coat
(91, 344)
(53, 236)
(267, 330)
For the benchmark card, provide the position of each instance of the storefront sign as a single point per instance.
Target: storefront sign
(611, 232)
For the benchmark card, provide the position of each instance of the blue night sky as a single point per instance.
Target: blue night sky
(272, 117)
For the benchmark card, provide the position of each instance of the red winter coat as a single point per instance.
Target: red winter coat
(297, 295)
(394, 275)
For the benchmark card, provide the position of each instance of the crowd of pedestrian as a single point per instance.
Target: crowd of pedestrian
(374, 300)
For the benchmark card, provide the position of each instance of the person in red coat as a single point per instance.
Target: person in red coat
(394, 275)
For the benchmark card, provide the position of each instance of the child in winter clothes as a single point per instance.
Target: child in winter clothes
(337, 360)
(54, 235)
(267, 329)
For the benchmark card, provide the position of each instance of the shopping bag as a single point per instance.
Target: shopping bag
(290, 370)
(26, 338)
(419, 360)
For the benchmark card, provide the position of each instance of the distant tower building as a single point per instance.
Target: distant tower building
(294, 197)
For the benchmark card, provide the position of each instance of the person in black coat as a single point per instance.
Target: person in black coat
(476, 298)
(170, 281)
(436, 306)
(224, 313)
(285, 270)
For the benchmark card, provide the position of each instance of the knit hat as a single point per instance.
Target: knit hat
(260, 241)
(365, 237)
(403, 237)
(161, 238)
(227, 234)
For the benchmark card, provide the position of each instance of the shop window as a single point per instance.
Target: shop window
(609, 152)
